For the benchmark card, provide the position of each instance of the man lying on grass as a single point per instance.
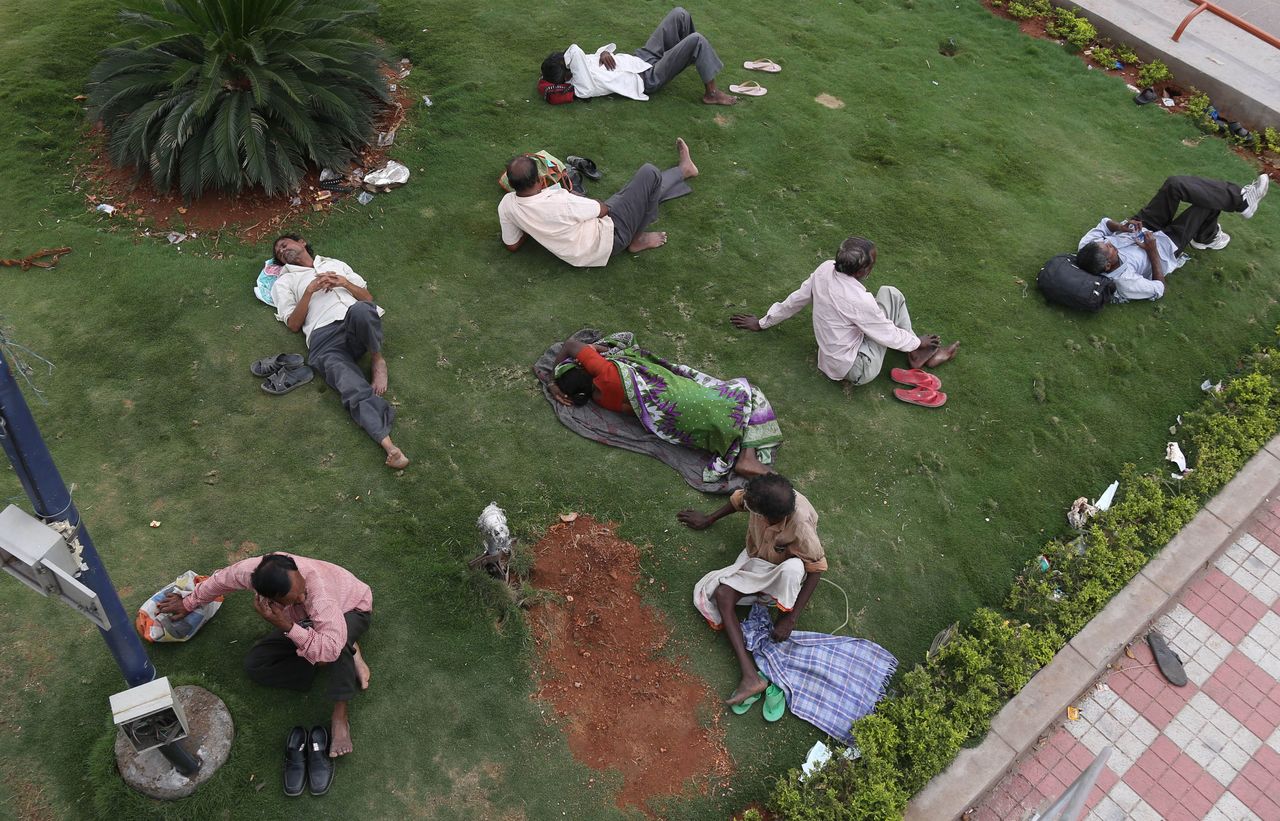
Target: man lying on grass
(854, 330)
(319, 611)
(1140, 252)
(584, 232)
(781, 565)
(331, 305)
(673, 47)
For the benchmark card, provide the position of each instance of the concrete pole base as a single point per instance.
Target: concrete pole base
(211, 731)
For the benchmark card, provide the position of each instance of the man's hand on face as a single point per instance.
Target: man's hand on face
(746, 322)
(171, 605)
(272, 613)
(559, 395)
(694, 520)
(606, 60)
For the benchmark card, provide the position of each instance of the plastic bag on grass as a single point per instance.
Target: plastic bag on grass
(160, 627)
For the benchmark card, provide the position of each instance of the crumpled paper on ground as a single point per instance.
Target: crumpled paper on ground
(391, 175)
(819, 755)
(1080, 513)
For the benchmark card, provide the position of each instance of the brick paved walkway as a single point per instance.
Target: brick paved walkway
(1209, 750)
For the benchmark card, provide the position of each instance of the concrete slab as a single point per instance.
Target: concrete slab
(1044, 698)
(1251, 485)
(1126, 615)
(1187, 553)
(211, 733)
(1236, 69)
(973, 772)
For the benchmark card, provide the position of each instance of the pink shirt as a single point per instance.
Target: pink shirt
(331, 592)
(844, 313)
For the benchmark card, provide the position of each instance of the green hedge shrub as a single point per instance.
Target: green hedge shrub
(949, 699)
(1065, 24)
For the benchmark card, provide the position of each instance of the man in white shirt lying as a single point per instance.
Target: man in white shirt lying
(673, 47)
(332, 307)
(1139, 252)
(584, 232)
(854, 331)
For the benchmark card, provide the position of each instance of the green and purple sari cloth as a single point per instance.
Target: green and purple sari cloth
(687, 407)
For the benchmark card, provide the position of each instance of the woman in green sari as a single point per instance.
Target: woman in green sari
(730, 418)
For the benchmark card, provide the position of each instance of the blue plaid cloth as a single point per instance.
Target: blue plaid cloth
(828, 680)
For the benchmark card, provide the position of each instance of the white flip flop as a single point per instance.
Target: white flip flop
(762, 65)
(749, 89)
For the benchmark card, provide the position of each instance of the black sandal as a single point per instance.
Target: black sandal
(585, 167)
(1169, 662)
(1147, 95)
(283, 381)
(271, 364)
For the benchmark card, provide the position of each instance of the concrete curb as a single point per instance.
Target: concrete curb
(1156, 588)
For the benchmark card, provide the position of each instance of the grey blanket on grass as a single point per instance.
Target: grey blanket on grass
(624, 431)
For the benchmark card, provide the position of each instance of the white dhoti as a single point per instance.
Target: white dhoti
(758, 581)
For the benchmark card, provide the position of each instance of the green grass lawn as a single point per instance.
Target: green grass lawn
(968, 172)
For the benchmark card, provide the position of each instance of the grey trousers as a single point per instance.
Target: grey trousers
(335, 351)
(635, 205)
(1207, 199)
(870, 358)
(274, 661)
(673, 47)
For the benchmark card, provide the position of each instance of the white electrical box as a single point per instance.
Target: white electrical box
(149, 715)
(37, 555)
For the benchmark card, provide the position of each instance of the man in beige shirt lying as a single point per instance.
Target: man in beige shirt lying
(854, 331)
(584, 232)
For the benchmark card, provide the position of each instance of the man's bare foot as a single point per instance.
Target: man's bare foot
(718, 97)
(686, 164)
(748, 465)
(396, 459)
(747, 688)
(646, 240)
(362, 668)
(379, 383)
(339, 731)
(920, 357)
(943, 355)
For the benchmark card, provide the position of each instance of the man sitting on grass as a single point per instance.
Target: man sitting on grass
(332, 306)
(319, 611)
(781, 565)
(1140, 252)
(854, 331)
(585, 232)
(673, 47)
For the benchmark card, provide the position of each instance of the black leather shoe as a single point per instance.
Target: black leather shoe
(295, 762)
(319, 764)
(1147, 95)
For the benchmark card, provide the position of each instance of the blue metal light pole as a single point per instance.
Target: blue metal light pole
(49, 496)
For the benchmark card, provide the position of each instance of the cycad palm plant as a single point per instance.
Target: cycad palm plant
(233, 94)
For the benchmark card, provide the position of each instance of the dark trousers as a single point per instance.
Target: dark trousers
(1207, 199)
(673, 47)
(335, 351)
(274, 662)
(635, 205)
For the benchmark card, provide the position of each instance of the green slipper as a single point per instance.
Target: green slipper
(775, 704)
(743, 707)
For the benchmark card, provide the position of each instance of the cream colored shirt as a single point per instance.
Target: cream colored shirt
(566, 224)
(590, 79)
(796, 535)
(844, 314)
(326, 307)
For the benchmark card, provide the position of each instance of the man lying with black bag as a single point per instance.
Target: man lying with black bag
(1136, 255)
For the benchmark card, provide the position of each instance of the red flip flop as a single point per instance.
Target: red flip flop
(924, 397)
(916, 378)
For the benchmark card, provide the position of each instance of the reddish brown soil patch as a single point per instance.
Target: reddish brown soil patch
(624, 706)
(251, 216)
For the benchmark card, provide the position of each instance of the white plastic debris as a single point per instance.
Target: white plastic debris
(1173, 453)
(365, 198)
(386, 138)
(426, 101)
(1080, 513)
(390, 175)
(176, 237)
(1168, 103)
(106, 209)
(328, 175)
(1107, 497)
(1209, 387)
(819, 755)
